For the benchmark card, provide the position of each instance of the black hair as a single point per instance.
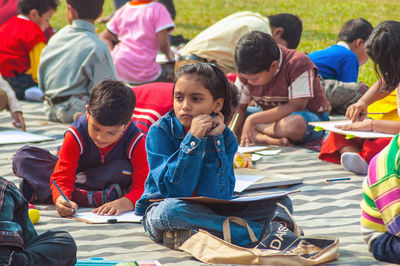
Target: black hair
(87, 9)
(213, 78)
(42, 6)
(255, 52)
(383, 47)
(353, 29)
(112, 103)
(292, 26)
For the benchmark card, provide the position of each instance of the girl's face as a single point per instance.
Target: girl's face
(191, 99)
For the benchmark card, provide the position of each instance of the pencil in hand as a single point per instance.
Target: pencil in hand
(62, 194)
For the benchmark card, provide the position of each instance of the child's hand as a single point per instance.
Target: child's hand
(201, 124)
(218, 125)
(65, 208)
(355, 111)
(248, 131)
(115, 207)
(365, 125)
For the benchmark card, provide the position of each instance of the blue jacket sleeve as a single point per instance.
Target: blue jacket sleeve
(175, 169)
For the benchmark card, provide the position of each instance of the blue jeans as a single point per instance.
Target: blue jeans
(311, 134)
(386, 248)
(19, 242)
(175, 214)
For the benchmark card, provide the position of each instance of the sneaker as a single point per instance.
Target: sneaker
(174, 239)
(112, 193)
(354, 163)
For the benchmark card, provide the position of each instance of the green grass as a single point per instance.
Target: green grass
(321, 19)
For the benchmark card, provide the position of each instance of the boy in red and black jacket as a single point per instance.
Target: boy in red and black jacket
(103, 155)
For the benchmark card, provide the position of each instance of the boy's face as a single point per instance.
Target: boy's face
(41, 20)
(358, 47)
(103, 136)
(262, 77)
(71, 14)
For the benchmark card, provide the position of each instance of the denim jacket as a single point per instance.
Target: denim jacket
(181, 164)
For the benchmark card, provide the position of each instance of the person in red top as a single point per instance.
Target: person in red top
(8, 8)
(22, 41)
(102, 148)
(153, 100)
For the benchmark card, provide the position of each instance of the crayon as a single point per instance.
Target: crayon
(337, 179)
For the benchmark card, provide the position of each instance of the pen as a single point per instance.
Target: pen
(62, 194)
(337, 179)
(367, 113)
(234, 121)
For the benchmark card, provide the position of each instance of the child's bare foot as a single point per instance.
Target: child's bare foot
(267, 140)
(284, 142)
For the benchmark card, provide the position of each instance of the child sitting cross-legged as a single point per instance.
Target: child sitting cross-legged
(102, 162)
(190, 153)
(67, 86)
(285, 84)
(105, 137)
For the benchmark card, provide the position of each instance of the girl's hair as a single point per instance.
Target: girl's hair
(383, 47)
(213, 79)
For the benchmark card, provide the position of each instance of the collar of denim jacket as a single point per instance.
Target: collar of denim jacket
(177, 128)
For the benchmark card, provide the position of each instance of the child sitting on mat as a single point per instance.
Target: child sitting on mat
(102, 157)
(190, 152)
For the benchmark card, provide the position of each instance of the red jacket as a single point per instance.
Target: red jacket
(18, 36)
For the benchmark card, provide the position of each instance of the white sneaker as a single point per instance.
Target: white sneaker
(354, 163)
(33, 94)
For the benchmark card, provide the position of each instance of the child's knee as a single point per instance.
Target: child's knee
(168, 210)
(292, 127)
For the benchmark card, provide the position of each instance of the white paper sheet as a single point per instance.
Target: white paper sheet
(251, 149)
(269, 152)
(126, 217)
(330, 126)
(244, 181)
(18, 136)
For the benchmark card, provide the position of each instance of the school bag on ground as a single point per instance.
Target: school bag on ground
(278, 246)
(35, 166)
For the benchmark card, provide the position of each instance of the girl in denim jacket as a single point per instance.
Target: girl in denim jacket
(190, 153)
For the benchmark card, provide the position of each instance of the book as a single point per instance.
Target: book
(237, 199)
(94, 218)
(330, 126)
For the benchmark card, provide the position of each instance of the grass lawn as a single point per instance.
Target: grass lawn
(321, 19)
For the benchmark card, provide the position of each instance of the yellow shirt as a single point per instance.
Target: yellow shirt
(34, 56)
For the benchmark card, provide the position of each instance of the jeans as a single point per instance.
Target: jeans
(20, 244)
(50, 248)
(309, 116)
(20, 83)
(386, 248)
(175, 214)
